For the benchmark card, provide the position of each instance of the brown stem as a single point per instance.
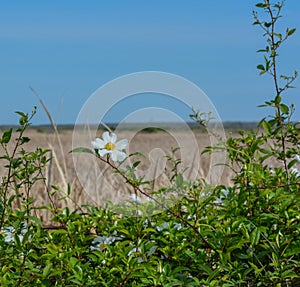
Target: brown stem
(275, 78)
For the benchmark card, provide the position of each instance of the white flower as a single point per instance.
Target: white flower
(134, 251)
(108, 146)
(163, 226)
(100, 242)
(178, 226)
(224, 193)
(10, 232)
(166, 225)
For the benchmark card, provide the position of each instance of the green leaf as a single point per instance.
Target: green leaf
(175, 282)
(179, 180)
(55, 187)
(261, 5)
(261, 51)
(290, 32)
(25, 140)
(6, 136)
(256, 269)
(277, 6)
(284, 109)
(266, 151)
(180, 269)
(35, 219)
(255, 236)
(277, 100)
(292, 163)
(73, 261)
(23, 119)
(124, 231)
(270, 216)
(214, 274)
(47, 270)
(267, 127)
(267, 24)
(60, 231)
(261, 67)
(278, 35)
(205, 268)
(21, 114)
(82, 149)
(17, 241)
(294, 251)
(136, 164)
(137, 154)
(262, 106)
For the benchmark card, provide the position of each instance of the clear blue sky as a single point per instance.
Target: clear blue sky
(67, 49)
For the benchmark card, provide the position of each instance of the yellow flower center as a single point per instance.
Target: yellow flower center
(110, 146)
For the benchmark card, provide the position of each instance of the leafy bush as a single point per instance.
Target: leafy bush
(246, 234)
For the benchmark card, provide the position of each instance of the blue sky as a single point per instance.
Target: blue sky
(67, 49)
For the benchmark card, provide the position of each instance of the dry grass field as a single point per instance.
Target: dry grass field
(90, 181)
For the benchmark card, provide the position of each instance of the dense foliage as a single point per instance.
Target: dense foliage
(246, 234)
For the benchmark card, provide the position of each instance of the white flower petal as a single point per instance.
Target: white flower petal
(106, 137)
(122, 144)
(113, 138)
(118, 156)
(297, 158)
(103, 152)
(98, 143)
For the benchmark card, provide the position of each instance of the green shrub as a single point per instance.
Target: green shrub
(246, 234)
